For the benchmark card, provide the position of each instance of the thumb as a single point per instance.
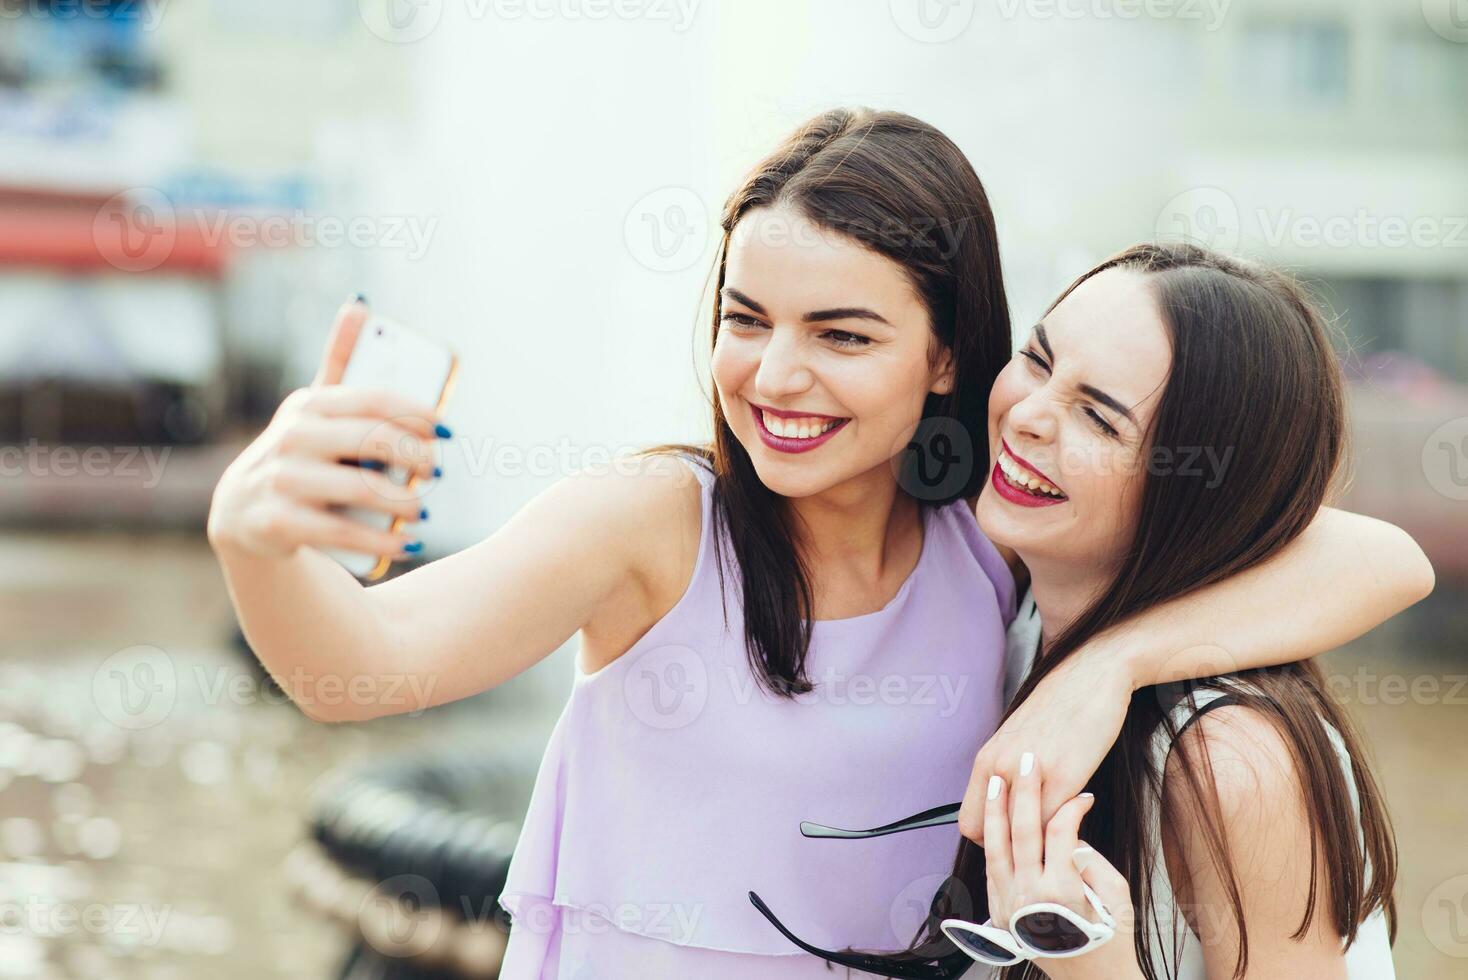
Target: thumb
(1109, 884)
(339, 344)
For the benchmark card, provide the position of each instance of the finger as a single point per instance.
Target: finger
(377, 403)
(997, 857)
(319, 483)
(1064, 829)
(1025, 829)
(321, 529)
(971, 810)
(331, 439)
(1109, 884)
(339, 343)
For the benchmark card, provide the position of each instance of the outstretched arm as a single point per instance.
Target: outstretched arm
(1344, 575)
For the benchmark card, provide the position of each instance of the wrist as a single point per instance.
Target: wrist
(1118, 658)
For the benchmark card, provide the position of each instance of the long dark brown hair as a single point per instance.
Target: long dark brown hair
(902, 189)
(1253, 376)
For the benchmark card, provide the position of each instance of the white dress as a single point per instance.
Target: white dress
(1370, 956)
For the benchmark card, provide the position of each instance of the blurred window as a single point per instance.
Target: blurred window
(1426, 319)
(1424, 70)
(1301, 64)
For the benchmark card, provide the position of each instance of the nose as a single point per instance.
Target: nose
(782, 368)
(1033, 417)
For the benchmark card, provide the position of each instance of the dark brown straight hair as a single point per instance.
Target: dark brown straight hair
(1254, 376)
(902, 189)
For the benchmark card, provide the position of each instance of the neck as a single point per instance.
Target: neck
(856, 526)
(1063, 590)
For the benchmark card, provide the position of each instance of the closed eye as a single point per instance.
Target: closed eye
(1101, 423)
(1094, 416)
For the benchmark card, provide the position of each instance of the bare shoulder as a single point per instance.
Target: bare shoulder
(1245, 848)
(1245, 756)
(652, 506)
(1250, 793)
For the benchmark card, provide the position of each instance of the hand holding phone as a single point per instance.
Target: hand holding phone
(390, 357)
(376, 399)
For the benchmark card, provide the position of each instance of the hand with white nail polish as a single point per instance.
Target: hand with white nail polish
(1029, 861)
(1066, 725)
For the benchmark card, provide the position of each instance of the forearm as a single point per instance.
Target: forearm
(1344, 575)
(313, 627)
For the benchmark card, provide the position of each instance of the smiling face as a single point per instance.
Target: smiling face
(821, 362)
(1069, 419)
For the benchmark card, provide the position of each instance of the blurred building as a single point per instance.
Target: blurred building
(176, 204)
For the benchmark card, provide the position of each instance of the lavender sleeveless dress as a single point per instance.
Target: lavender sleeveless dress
(673, 785)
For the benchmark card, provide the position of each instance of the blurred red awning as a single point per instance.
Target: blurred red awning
(93, 233)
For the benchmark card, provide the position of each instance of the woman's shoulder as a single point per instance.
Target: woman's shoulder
(1245, 755)
(654, 504)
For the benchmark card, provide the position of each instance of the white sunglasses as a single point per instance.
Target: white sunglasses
(1037, 931)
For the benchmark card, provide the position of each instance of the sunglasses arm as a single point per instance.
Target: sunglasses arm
(936, 817)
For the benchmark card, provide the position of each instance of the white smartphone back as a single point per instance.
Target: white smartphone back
(389, 355)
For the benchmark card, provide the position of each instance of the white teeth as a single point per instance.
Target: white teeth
(801, 428)
(1024, 478)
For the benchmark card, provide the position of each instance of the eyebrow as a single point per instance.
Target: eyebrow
(1090, 391)
(815, 316)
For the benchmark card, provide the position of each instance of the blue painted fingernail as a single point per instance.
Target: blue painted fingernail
(441, 430)
(423, 514)
(372, 464)
(437, 472)
(360, 299)
(413, 547)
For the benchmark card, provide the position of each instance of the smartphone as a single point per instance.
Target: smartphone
(389, 355)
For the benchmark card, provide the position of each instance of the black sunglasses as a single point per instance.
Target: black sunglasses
(945, 965)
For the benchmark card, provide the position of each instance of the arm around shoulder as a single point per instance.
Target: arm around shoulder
(1343, 576)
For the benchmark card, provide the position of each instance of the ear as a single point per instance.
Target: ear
(943, 375)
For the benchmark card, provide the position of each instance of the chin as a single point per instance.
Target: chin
(1002, 525)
